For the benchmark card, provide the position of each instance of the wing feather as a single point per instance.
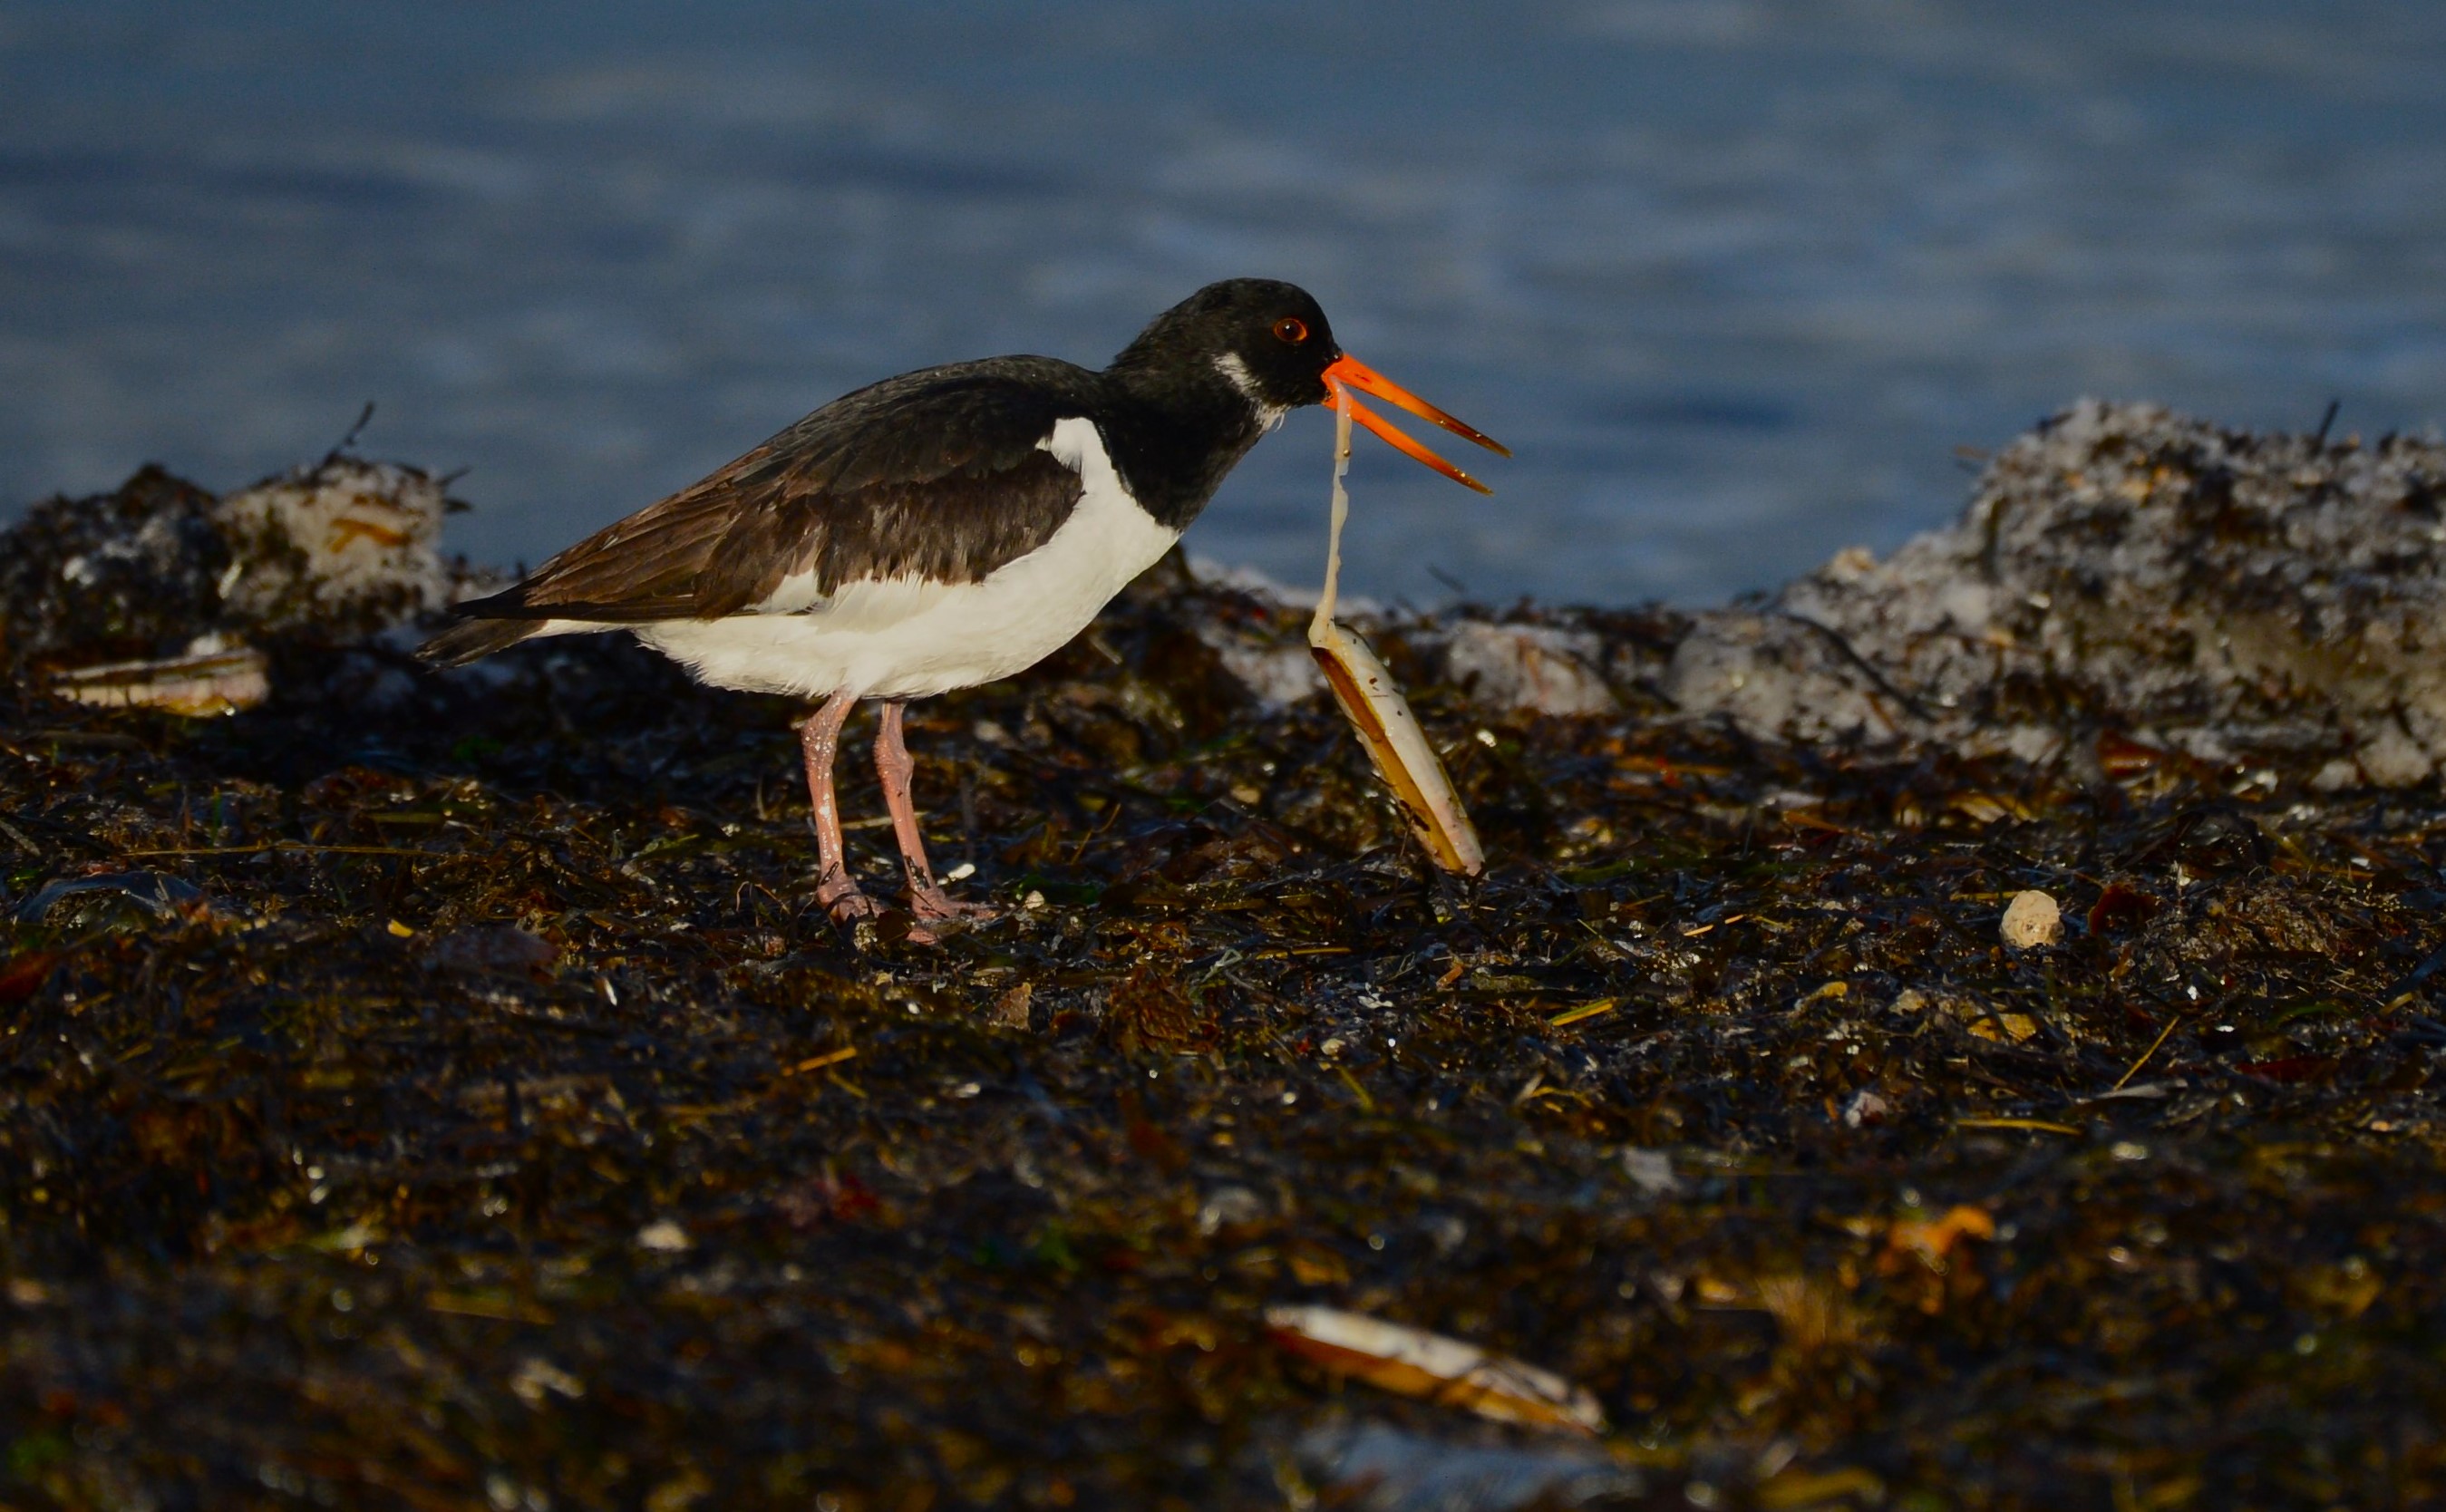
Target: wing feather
(937, 474)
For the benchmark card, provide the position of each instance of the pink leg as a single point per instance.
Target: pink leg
(820, 738)
(927, 898)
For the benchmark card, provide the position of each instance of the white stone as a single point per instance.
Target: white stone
(664, 1236)
(1650, 1170)
(2032, 919)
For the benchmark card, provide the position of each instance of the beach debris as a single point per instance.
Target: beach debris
(1795, 1489)
(1373, 704)
(2125, 575)
(1985, 1018)
(1279, 676)
(481, 950)
(160, 596)
(1569, 662)
(233, 1125)
(345, 546)
(2122, 907)
(216, 675)
(1229, 1207)
(1539, 668)
(536, 1376)
(157, 895)
(114, 577)
(1650, 1170)
(1010, 1009)
(2032, 919)
(1378, 1467)
(1932, 1241)
(1413, 1362)
(664, 1236)
(23, 975)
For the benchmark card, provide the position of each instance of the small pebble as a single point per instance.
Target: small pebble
(664, 1236)
(506, 950)
(2032, 919)
(1650, 1170)
(1229, 1207)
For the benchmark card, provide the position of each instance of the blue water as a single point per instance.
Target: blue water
(1734, 277)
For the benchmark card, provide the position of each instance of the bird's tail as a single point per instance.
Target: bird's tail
(465, 642)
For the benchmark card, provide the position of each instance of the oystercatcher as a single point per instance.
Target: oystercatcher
(942, 529)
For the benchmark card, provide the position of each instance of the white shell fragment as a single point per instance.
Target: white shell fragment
(214, 677)
(1413, 1362)
(1373, 702)
(2032, 919)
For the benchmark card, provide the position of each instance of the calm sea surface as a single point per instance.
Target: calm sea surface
(1734, 277)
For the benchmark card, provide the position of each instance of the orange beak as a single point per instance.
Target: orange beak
(1356, 374)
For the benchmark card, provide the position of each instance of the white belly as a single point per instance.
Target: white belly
(906, 638)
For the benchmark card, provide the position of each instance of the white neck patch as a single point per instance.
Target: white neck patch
(1237, 371)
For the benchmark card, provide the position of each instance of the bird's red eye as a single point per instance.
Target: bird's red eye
(1291, 328)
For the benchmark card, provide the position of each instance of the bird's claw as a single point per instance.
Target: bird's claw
(932, 903)
(842, 900)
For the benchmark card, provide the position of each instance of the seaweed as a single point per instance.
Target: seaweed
(446, 1093)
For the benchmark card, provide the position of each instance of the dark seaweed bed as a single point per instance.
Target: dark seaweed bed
(457, 1101)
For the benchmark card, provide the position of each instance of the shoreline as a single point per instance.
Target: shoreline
(442, 1091)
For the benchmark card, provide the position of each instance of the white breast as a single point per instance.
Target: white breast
(906, 638)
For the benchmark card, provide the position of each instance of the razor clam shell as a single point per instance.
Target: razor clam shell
(1373, 704)
(1398, 747)
(198, 685)
(1414, 1362)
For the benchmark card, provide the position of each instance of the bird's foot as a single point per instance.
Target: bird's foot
(841, 899)
(932, 903)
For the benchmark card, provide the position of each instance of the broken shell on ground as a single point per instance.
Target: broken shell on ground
(214, 676)
(1414, 1362)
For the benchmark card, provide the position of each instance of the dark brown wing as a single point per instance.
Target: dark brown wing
(935, 474)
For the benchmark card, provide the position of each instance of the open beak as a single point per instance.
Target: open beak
(1356, 374)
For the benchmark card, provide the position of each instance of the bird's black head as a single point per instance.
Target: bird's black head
(1268, 339)
(1267, 342)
